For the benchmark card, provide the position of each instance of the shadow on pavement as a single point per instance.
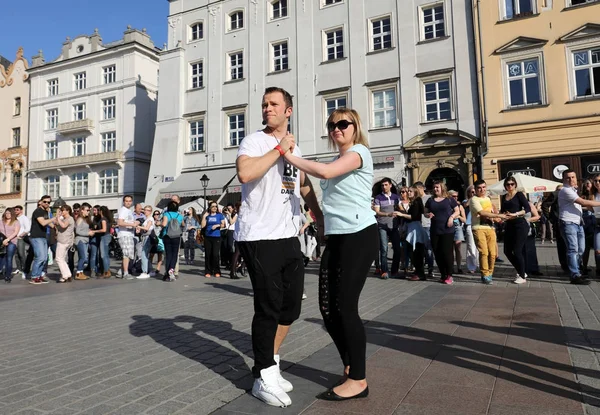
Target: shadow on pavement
(225, 361)
(486, 357)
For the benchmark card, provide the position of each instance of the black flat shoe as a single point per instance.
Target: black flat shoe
(330, 395)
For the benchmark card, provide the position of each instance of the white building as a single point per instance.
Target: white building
(407, 68)
(92, 120)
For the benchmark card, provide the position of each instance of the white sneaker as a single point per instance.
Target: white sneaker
(119, 274)
(143, 276)
(23, 276)
(172, 276)
(285, 384)
(15, 272)
(519, 280)
(304, 296)
(267, 389)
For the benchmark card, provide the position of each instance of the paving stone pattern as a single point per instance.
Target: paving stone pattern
(133, 347)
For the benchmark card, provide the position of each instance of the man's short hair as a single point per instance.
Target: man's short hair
(76, 206)
(286, 95)
(564, 173)
(19, 207)
(419, 184)
(386, 180)
(45, 197)
(127, 196)
(478, 182)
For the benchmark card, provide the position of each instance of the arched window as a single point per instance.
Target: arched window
(15, 183)
(236, 20)
(51, 186)
(196, 31)
(79, 184)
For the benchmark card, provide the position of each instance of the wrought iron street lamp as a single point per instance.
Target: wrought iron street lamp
(204, 179)
(58, 203)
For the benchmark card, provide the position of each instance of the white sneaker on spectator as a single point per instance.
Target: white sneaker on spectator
(143, 276)
(15, 272)
(286, 385)
(267, 389)
(119, 274)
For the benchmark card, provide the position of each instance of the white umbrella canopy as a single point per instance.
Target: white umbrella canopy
(525, 183)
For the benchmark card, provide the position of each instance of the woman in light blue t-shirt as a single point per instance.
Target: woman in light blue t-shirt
(351, 245)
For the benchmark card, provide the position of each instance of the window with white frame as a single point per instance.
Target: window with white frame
(524, 86)
(516, 8)
(586, 65)
(78, 112)
(78, 146)
(383, 107)
(432, 22)
(52, 87)
(236, 20)
(109, 106)
(236, 65)
(236, 126)
(79, 184)
(16, 137)
(334, 44)
(109, 74)
(108, 142)
(109, 181)
(196, 135)
(51, 150)
(197, 75)
(381, 33)
(279, 9)
(51, 186)
(80, 81)
(51, 118)
(196, 31)
(15, 183)
(333, 103)
(280, 56)
(17, 107)
(437, 100)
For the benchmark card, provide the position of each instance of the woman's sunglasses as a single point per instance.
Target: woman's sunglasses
(341, 125)
(510, 184)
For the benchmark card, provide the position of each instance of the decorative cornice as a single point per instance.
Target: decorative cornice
(584, 32)
(9, 153)
(520, 43)
(7, 73)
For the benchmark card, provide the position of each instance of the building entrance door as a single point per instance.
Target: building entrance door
(451, 178)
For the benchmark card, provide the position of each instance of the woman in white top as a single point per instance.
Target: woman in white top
(351, 245)
(596, 193)
(65, 227)
(147, 228)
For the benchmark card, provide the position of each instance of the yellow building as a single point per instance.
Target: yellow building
(539, 85)
(14, 121)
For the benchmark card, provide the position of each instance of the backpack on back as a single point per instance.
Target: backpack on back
(173, 227)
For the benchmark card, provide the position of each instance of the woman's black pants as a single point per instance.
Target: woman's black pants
(212, 250)
(443, 250)
(344, 268)
(515, 236)
(171, 252)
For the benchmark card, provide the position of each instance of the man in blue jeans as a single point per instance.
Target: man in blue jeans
(37, 237)
(385, 207)
(571, 224)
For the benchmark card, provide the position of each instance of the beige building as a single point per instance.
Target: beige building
(14, 117)
(539, 86)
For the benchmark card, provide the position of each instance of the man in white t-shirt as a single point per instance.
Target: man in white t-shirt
(127, 224)
(571, 224)
(266, 233)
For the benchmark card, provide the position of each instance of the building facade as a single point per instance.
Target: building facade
(14, 117)
(93, 111)
(540, 87)
(411, 76)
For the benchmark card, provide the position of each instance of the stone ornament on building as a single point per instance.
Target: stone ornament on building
(7, 75)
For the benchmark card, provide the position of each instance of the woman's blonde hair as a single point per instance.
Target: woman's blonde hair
(359, 136)
(443, 186)
(13, 218)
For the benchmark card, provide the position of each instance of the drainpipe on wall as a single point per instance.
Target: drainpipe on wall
(483, 95)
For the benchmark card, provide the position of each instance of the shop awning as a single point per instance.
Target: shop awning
(189, 184)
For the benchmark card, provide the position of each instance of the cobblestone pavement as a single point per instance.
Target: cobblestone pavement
(132, 347)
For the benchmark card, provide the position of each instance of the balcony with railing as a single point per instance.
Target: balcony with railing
(73, 127)
(88, 159)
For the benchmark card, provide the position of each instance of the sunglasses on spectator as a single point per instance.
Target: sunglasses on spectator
(596, 181)
(46, 202)
(402, 191)
(340, 125)
(510, 184)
